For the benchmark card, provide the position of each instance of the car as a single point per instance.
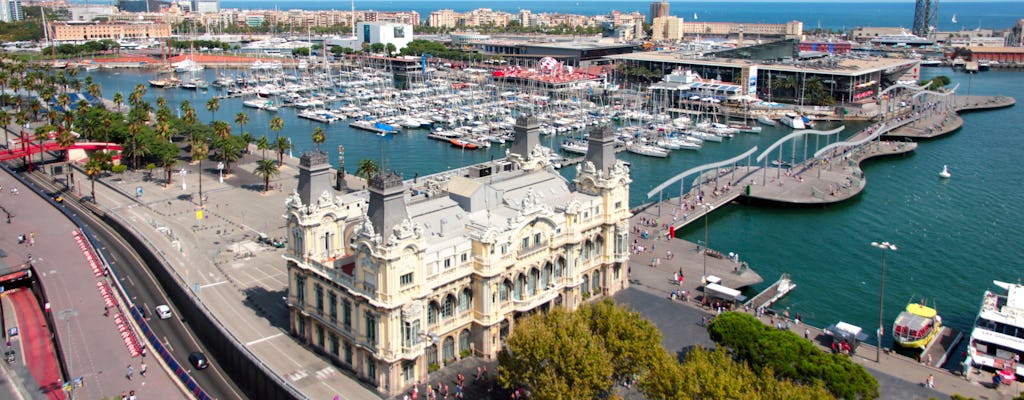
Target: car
(198, 360)
(163, 311)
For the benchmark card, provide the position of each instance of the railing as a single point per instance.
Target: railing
(529, 251)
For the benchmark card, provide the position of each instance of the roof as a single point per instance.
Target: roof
(846, 66)
(1003, 50)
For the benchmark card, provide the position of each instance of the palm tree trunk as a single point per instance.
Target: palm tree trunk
(200, 183)
(266, 183)
(93, 190)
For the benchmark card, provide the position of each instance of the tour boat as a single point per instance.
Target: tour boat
(944, 173)
(996, 338)
(916, 326)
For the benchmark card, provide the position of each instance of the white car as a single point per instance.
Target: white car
(163, 311)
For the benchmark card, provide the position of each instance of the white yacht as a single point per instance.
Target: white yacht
(187, 65)
(793, 120)
(997, 340)
(260, 104)
(765, 120)
(574, 146)
(647, 150)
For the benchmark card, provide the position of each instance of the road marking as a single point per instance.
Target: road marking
(326, 373)
(263, 339)
(213, 284)
(167, 344)
(295, 376)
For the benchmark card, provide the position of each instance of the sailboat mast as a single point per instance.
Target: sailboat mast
(353, 18)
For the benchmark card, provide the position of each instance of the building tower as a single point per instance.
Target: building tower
(925, 17)
(314, 176)
(10, 11)
(658, 9)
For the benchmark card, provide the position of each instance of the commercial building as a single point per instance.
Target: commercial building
(758, 69)
(571, 53)
(206, 6)
(658, 9)
(411, 275)
(82, 31)
(667, 28)
(10, 11)
(674, 29)
(1001, 55)
(385, 32)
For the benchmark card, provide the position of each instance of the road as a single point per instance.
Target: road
(147, 293)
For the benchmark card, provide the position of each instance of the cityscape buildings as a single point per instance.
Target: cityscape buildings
(658, 9)
(10, 11)
(412, 275)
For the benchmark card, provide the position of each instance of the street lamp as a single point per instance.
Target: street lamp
(707, 210)
(881, 297)
(66, 316)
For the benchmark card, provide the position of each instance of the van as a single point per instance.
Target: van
(198, 360)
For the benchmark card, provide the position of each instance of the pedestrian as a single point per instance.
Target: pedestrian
(807, 333)
(485, 371)
(106, 311)
(124, 395)
(931, 381)
(142, 369)
(131, 371)
(131, 395)
(31, 239)
(478, 371)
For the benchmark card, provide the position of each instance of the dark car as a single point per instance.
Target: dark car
(198, 360)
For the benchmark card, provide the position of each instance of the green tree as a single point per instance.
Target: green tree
(65, 140)
(200, 150)
(262, 144)
(318, 137)
(556, 357)
(241, 119)
(41, 135)
(367, 168)
(118, 100)
(791, 357)
(168, 159)
(282, 145)
(632, 342)
(276, 124)
(98, 162)
(212, 106)
(267, 169)
(391, 49)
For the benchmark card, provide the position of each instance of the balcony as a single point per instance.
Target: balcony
(536, 300)
(534, 249)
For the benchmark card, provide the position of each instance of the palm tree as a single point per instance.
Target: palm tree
(41, 135)
(5, 119)
(65, 140)
(161, 102)
(263, 144)
(247, 138)
(93, 169)
(281, 145)
(276, 124)
(223, 132)
(267, 169)
(94, 89)
(200, 150)
(135, 98)
(367, 168)
(241, 119)
(318, 137)
(212, 106)
(168, 160)
(188, 114)
(118, 100)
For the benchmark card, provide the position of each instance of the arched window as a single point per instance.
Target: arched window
(449, 307)
(586, 285)
(531, 283)
(597, 280)
(448, 350)
(503, 292)
(520, 286)
(545, 277)
(585, 251)
(432, 354)
(559, 266)
(598, 246)
(465, 297)
(432, 310)
(464, 340)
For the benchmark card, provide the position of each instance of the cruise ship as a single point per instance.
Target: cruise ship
(997, 340)
(903, 38)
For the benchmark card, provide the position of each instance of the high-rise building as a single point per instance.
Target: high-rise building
(206, 6)
(658, 9)
(10, 11)
(408, 276)
(1015, 37)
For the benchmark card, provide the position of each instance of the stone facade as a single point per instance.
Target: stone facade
(407, 275)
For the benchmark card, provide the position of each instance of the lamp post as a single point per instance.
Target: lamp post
(707, 210)
(881, 296)
(66, 316)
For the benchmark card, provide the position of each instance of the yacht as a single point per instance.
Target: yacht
(997, 340)
(187, 65)
(793, 120)
(323, 116)
(260, 104)
(574, 146)
(903, 38)
(647, 150)
(765, 120)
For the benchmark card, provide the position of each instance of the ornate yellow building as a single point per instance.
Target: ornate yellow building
(410, 274)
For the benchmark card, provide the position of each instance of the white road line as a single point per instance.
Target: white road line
(213, 284)
(263, 339)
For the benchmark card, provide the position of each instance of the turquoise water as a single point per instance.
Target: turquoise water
(954, 236)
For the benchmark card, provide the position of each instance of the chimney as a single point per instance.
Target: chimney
(314, 176)
(527, 135)
(387, 202)
(601, 148)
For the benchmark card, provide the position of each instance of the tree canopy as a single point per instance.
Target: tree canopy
(791, 357)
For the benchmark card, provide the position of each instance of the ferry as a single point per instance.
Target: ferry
(916, 326)
(997, 341)
(903, 38)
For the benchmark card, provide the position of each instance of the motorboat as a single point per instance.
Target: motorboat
(465, 144)
(916, 326)
(574, 146)
(781, 164)
(647, 150)
(793, 120)
(944, 174)
(765, 120)
(187, 65)
(996, 339)
(260, 104)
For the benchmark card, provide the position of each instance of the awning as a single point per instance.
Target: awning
(722, 292)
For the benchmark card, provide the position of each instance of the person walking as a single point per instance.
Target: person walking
(131, 371)
(931, 381)
(142, 369)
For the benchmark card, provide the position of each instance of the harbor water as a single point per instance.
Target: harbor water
(954, 236)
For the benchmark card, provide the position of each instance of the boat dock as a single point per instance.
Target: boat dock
(772, 294)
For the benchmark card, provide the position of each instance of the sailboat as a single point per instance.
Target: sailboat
(954, 18)
(694, 16)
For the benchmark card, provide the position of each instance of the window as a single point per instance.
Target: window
(320, 336)
(531, 283)
(406, 279)
(526, 244)
(597, 281)
(432, 313)
(558, 267)
(448, 350)
(332, 300)
(300, 290)
(464, 299)
(615, 273)
(503, 291)
(348, 353)
(408, 371)
(618, 205)
(410, 333)
(449, 307)
(371, 329)
(520, 282)
(447, 263)
(504, 248)
(319, 299)
(464, 340)
(334, 345)
(465, 257)
(536, 239)
(346, 315)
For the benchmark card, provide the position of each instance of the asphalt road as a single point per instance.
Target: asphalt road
(147, 293)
